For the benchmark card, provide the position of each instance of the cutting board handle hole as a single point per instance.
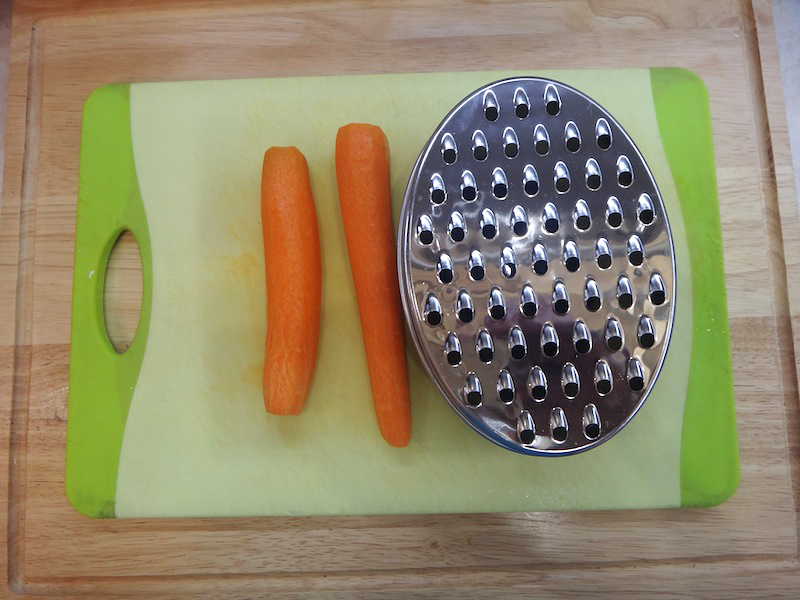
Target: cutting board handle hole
(122, 292)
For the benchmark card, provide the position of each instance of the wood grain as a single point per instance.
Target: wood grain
(60, 52)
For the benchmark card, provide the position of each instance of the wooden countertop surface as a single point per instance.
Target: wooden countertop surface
(61, 51)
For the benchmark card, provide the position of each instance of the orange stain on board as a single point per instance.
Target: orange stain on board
(244, 266)
(253, 375)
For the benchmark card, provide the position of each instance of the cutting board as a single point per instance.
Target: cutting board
(175, 425)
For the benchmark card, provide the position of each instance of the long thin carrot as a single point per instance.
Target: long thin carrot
(362, 173)
(294, 280)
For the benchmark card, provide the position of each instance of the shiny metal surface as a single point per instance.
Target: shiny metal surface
(561, 296)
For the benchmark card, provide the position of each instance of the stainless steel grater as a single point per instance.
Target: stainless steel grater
(537, 267)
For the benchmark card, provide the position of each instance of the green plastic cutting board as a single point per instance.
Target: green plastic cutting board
(176, 426)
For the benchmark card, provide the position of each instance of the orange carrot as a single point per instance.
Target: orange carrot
(362, 173)
(294, 280)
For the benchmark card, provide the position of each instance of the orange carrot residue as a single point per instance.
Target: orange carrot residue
(294, 280)
(362, 173)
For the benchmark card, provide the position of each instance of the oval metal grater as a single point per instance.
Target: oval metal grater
(537, 267)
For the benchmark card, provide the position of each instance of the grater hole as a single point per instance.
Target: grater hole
(572, 137)
(552, 101)
(646, 332)
(635, 251)
(508, 262)
(604, 141)
(526, 429)
(553, 108)
(468, 186)
(528, 301)
(456, 227)
(449, 148)
(625, 300)
(477, 272)
(583, 346)
(445, 275)
(511, 150)
(531, 187)
(425, 230)
(505, 387)
(613, 335)
(480, 148)
(476, 265)
(491, 113)
(560, 434)
(468, 193)
(571, 390)
(560, 298)
(573, 144)
(540, 266)
(432, 311)
(583, 222)
(491, 110)
(497, 304)
(474, 398)
(593, 303)
(464, 307)
(542, 147)
(452, 350)
(521, 103)
(539, 392)
(550, 217)
(500, 190)
(602, 134)
(444, 268)
(569, 381)
(488, 224)
(624, 171)
(529, 309)
(516, 343)
(520, 228)
(485, 346)
(593, 177)
(636, 383)
(522, 111)
(603, 386)
(602, 252)
(645, 211)
(615, 219)
(593, 181)
(551, 225)
(437, 196)
(658, 297)
(561, 175)
(573, 263)
(592, 431)
(550, 349)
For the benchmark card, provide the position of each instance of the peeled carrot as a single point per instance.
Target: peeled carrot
(294, 280)
(362, 173)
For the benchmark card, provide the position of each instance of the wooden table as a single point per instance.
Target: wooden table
(61, 51)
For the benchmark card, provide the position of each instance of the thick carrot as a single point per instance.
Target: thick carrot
(294, 280)
(362, 173)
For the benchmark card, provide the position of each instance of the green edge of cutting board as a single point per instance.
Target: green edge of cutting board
(109, 201)
(709, 456)
(101, 380)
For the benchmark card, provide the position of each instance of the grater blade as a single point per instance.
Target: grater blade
(537, 267)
